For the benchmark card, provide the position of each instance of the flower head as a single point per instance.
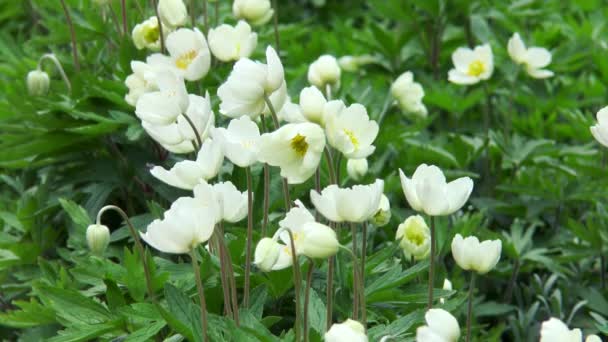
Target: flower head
(324, 71)
(409, 94)
(248, 85)
(356, 204)
(554, 330)
(472, 66)
(146, 35)
(37, 82)
(352, 132)
(173, 13)
(256, 12)
(189, 54)
(348, 331)
(533, 58)
(356, 168)
(230, 203)
(295, 148)
(240, 141)
(98, 238)
(414, 238)
(143, 79)
(470, 254)
(266, 254)
(600, 130)
(383, 214)
(440, 326)
(427, 191)
(230, 43)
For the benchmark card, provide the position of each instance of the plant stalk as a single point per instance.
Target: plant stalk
(470, 306)
(362, 273)
(307, 296)
(233, 295)
(125, 26)
(277, 125)
(68, 19)
(249, 237)
(223, 274)
(432, 265)
(160, 27)
(201, 293)
(353, 230)
(266, 185)
(297, 284)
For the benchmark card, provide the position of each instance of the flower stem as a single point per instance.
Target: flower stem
(328, 92)
(68, 19)
(249, 237)
(432, 264)
(276, 25)
(311, 267)
(296, 283)
(192, 13)
(353, 230)
(356, 282)
(223, 274)
(230, 271)
(330, 165)
(138, 245)
(206, 16)
(199, 142)
(59, 67)
(330, 290)
(160, 27)
(217, 12)
(266, 185)
(201, 293)
(362, 272)
(125, 27)
(470, 307)
(512, 281)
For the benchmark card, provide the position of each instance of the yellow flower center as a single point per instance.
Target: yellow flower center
(352, 137)
(151, 34)
(476, 68)
(185, 59)
(299, 144)
(415, 235)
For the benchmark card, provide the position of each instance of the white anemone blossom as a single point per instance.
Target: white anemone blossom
(315, 108)
(189, 54)
(356, 204)
(143, 79)
(351, 131)
(471, 65)
(440, 326)
(409, 94)
(230, 204)
(534, 58)
(472, 255)
(600, 130)
(256, 12)
(230, 43)
(240, 141)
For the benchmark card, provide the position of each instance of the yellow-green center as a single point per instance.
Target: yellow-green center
(476, 68)
(152, 34)
(352, 137)
(415, 235)
(185, 59)
(299, 145)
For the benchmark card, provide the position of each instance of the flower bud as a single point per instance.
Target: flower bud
(256, 12)
(356, 168)
(173, 13)
(415, 237)
(319, 242)
(38, 82)
(146, 35)
(383, 215)
(353, 63)
(98, 238)
(349, 331)
(324, 70)
(470, 254)
(266, 254)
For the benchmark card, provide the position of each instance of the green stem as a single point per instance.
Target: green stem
(470, 306)
(297, 283)
(356, 282)
(160, 27)
(266, 186)
(192, 13)
(277, 125)
(276, 25)
(233, 295)
(206, 17)
(199, 142)
(138, 245)
(329, 298)
(201, 293)
(330, 165)
(68, 19)
(249, 237)
(432, 265)
(223, 273)
(307, 296)
(125, 27)
(362, 273)
(353, 230)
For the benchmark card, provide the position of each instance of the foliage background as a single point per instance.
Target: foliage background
(543, 193)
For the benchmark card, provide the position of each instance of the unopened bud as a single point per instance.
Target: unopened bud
(38, 82)
(98, 238)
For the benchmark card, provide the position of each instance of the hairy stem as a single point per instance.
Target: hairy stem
(353, 230)
(362, 272)
(297, 284)
(230, 270)
(199, 142)
(249, 237)
(432, 265)
(223, 274)
(160, 27)
(470, 306)
(206, 16)
(201, 293)
(307, 296)
(68, 19)
(123, 8)
(266, 186)
(277, 125)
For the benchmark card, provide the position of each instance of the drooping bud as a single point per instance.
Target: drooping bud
(98, 238)
(38, 82)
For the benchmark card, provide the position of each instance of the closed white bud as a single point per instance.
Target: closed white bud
(256, 12)
(38, 82)
(383, 215)
(357, 168)
(266, 254)
(319, 242)
(173, 13)
(353, 63)
(349, 331)
(98, 238)
(472, 255)
(146, 35)
(323, 71)
(414, 238)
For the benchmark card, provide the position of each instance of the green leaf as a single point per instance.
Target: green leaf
(79, 216)
(183, 315)
(31, 314)
(72, 306)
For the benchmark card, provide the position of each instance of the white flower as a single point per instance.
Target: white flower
(356, 204)
(348, 331)
(231, 204)
(600, 130)
(189, 54)
(162, 107)
(470, 254)
(277, 99)
(146, 35)
(291, 112)
(593, 338)
(324, 71)
(249, 83)
(98, 238)
(414, 238)
(471, 66)
(447, 285)
(186, 224)
(351, 131)
(37, 82)
(427, 191)
(356, 168)
(187, 174)
(441, 327)
(409, 94)
(295, 148)
(256, 12)
(383, 214)
(228, 43)
(173, 13)
(240, 141)
(353, 63)
(266, 254)
(533, 58)
(554, 330)
(143, 78)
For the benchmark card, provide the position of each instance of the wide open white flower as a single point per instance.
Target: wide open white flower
(187, 174)
(351, 131)
(414, 238)
(189, 54)
(172, 13)
(256, 12)
(231, 203)
(409, 94)
(162, 107)
(472, 255)
(185, 225)
(471, 66)
(533, 58)
(356, 204)
(441, 327)
(240, 141)
(325, 71)
(295, 148)
(427, 191)
(554, 330)
(348, 331)
(249, 83)
(600, 130)
(230, 43)
(146, 35)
